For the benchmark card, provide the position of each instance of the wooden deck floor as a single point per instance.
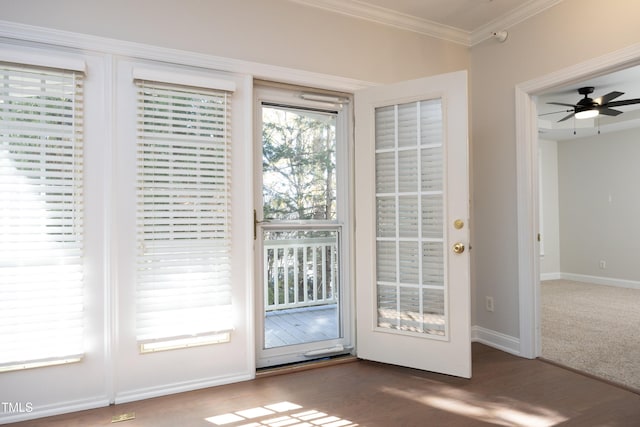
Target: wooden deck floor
(505, 391)
(301, 325)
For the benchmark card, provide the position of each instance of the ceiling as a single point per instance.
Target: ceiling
(466, 15)
(462, 21)
(469, 22)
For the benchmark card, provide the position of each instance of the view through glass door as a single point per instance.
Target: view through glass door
(299, 228)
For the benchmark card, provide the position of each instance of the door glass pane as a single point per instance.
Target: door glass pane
(409, 218)
(301, 286)
(299, 164)
(408, 170)
(301, 271)
(385, 172)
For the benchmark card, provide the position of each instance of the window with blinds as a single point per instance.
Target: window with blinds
(183, 216)
(41, 216)
(409, 217)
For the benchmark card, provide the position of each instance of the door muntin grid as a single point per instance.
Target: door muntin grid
(411, 291)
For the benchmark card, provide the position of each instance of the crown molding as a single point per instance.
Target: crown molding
(361, 10)
(381, 15)
(511, 19)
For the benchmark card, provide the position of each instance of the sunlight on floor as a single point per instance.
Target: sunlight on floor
(504, 411)
(283, 414)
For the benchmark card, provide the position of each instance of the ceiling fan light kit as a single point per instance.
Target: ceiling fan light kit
(587, 114)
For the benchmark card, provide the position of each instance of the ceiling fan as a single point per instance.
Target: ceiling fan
(587, 108)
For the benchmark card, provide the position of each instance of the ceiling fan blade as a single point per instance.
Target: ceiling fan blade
(604, 99)
(623, 102)
(554, 112)
(609, 111)
(562, 103)
(566, 117)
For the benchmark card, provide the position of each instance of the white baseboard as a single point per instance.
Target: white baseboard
(33, 412)
(551, 276)
(496, 340)
(597, 280)
(150, 392)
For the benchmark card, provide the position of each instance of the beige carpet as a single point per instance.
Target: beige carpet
(592, 328)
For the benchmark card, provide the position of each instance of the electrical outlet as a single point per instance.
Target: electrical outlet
(603, 264)
(489, 303)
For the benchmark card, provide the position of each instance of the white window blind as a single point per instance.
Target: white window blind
(183, 215)
(41, 211)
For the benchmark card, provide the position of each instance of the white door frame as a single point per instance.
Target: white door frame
(527, 182)
(289, 96)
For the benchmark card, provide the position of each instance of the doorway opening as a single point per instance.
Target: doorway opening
(528, 183)
(589, 282)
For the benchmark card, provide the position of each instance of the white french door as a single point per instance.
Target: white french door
(412, 233)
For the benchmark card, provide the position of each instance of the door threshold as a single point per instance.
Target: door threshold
(304, 366)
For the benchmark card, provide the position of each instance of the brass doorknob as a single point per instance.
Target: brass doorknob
(458, 248)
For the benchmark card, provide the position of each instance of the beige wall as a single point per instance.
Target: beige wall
(600, 205)
(275, 32)
(571, 32)
(549, 209)
(590, 205)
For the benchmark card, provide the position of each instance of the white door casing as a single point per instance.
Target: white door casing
(449, 350)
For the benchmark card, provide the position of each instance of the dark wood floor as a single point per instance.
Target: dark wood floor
(505, 391)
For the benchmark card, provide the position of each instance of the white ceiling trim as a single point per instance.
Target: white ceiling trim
(381, 15)
(509, 20)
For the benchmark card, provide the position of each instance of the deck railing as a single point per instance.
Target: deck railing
(300, 273)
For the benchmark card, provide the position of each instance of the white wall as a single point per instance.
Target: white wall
(549, 212)
(546, 43)
(600, 205)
